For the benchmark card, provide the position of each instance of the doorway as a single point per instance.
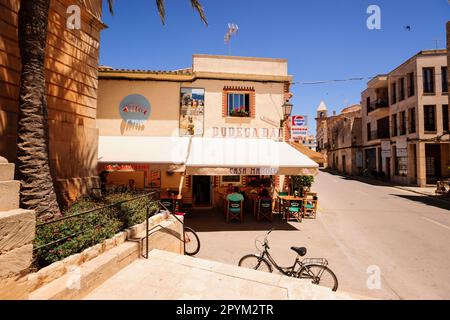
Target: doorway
(201, 191)
(433, 162)
(388, 168)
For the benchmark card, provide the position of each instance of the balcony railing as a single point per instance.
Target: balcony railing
(381, 103)
(378, 134)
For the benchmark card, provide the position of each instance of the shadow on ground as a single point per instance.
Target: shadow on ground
(210, 220)
(426, 200)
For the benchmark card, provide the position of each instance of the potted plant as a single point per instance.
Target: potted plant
(239, 112)
(302, 183)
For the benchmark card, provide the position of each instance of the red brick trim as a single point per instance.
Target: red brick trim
(240, 89)
(287, 97)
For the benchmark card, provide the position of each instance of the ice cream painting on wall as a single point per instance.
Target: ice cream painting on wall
(192, 108)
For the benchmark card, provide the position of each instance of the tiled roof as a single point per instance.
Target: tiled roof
(186, 71)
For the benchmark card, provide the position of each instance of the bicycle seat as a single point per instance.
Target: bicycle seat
(300, 250)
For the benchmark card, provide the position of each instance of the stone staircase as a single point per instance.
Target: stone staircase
(167, 275)
(17, 230)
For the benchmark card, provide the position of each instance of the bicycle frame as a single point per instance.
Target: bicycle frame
(290, 271)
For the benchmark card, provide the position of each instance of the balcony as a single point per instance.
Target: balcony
(378, 107)
(378, 135)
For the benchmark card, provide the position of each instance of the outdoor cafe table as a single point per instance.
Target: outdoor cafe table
(286, 198)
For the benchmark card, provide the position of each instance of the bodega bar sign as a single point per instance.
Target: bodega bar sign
(249, 133)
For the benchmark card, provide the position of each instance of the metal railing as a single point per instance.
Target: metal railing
(78, 215)
(375, 105)
(147, 230)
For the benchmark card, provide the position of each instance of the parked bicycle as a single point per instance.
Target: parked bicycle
(315, 269)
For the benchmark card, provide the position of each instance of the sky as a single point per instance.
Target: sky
(322, 39)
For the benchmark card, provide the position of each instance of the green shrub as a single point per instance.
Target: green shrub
(87, 230)
(302, 182)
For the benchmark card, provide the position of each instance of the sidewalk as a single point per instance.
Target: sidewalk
(425, 191)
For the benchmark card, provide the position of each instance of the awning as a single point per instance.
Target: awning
(168, 152)
(215, 156)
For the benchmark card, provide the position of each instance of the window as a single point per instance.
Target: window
(234, 180)
(402, 89)
(402, 123)
(444, 77)
(369, 135)
(428, 80)
(411, 82)
(238, 104)
(445, 125)
(383, 128)
(394, 125)
(429, 114)
(394, 93)
(412, 120)
(368, 105)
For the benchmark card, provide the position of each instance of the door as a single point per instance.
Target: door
(388, 168)
(344, 164)
(433, 162)
(201, 191)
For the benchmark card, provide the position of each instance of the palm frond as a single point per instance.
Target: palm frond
(161, 10)
(110, 6)
(198, 6)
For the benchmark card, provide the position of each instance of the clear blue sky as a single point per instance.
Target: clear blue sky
(323, 39)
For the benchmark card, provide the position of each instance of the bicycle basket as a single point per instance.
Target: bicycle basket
(319, 261)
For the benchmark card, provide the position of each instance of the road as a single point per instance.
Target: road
(361, 229)
(406, 235)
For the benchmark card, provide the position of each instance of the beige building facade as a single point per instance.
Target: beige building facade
(405, 122)
(339, 139)
(219, 109)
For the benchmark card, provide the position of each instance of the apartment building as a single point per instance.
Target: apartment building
(405, 122)
(339, 139)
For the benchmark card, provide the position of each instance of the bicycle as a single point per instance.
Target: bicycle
(315, 269)
(190, 237)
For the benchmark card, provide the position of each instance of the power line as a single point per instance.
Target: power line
(354, 79)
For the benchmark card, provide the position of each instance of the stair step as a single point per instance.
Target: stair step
(6, 171)
(9, 195)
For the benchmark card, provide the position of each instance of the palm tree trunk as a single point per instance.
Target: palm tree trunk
(33, 164)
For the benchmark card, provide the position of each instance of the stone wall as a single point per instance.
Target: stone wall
(79, 274)
(71, 79)
(17, 231)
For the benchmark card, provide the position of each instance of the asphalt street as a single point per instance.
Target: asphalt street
(381, 241)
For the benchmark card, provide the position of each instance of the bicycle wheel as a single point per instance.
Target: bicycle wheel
(191, 242)
(319, 275)
(254, 262)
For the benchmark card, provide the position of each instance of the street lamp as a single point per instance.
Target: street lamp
(287, 110)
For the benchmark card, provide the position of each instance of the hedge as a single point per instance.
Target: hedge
(89, 229)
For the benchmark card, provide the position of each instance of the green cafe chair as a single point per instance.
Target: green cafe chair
(264, 209)
(168, 203)
(295, 210)
(235, 210)
(282, 204)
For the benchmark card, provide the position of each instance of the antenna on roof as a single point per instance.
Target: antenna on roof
(232, 30)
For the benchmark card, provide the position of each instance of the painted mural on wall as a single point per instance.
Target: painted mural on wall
(135, 109)
(192, 109)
